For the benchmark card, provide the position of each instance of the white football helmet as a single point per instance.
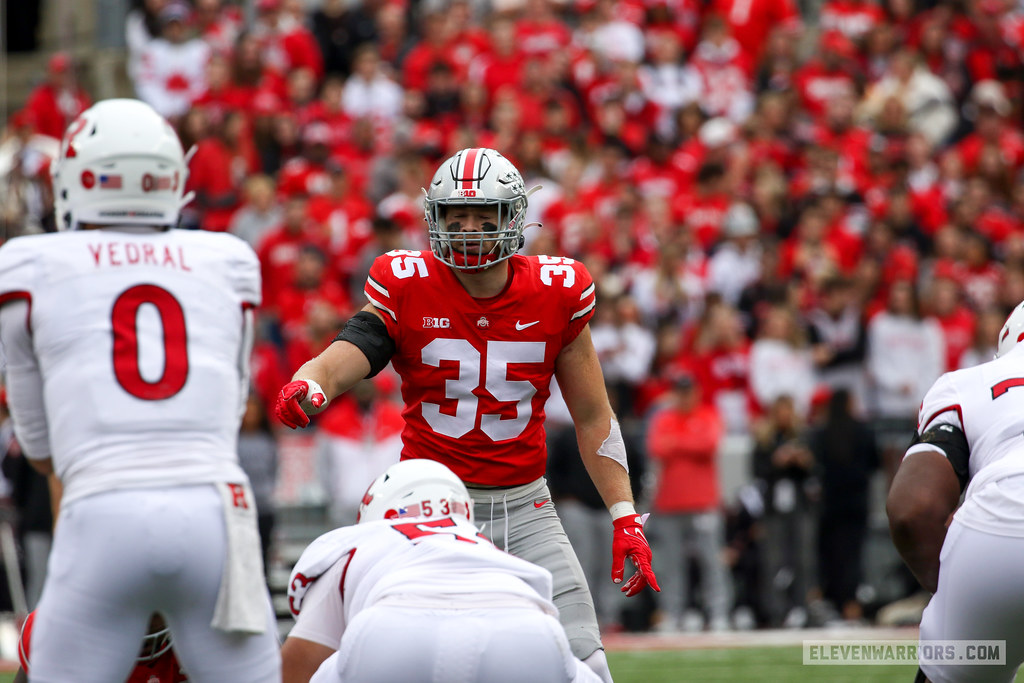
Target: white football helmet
(416, 488)
(120, 163)
(476, 176)
(1012, 332)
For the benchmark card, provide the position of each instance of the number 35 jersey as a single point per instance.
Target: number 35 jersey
(476, 372)
(126, 353)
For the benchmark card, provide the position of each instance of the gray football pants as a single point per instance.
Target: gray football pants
(522, 520)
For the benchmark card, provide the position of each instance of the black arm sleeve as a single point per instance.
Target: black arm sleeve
(369, 334)
(951, 441)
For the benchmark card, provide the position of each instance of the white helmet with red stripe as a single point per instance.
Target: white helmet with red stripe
(1012, 332)
(120, 163)
(416, 488)
(482, 177)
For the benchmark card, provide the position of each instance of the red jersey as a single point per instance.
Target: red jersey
(476, 372)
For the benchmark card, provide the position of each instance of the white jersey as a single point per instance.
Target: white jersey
(986, 402)
(127, 353)
(434, 563)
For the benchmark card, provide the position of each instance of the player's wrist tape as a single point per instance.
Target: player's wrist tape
(621, 509)
(314, 388)
(368, 333)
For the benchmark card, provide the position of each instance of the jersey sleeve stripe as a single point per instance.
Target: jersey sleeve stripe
(19, 295)
(954, 408)
(587, 292)
(378, 286)
(378, 305)
(583, 311)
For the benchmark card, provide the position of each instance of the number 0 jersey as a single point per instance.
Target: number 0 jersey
(127, 355)
(441, 563)
(476, 372)
(985, 402)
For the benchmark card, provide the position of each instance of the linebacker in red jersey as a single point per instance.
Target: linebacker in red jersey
(476, 332)
(156, 662)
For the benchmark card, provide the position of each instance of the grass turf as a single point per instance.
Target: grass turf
(761, 664)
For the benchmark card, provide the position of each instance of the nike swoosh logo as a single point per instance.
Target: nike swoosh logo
(520, 326)
(538, 503)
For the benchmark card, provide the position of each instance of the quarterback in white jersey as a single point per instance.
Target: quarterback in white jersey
(126, 348)
(970, 441)
(414, 592)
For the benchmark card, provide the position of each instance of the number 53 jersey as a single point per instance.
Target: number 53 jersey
(127, 353)
(476, 372)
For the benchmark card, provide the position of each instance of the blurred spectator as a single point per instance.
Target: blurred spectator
(783, 464)
(55, 103)
(925, 98)
(906, 353)
(945, 304)
(682, 443)
(141, 27)
(172, 68)
(257, 455)
(340, 29)
(218, 24)
(30, 494)
(313, 283)
(724, 71)
(838, 335)
(369, 91)
(736, 262)
(358, 437)
(983, 345)
(721, 351)
(845, 455)
(259, 211)
(751, 22)
(210, 173)
(671, 290)
(625, 348)
(781, 363)
(279, 248)
(285, 43)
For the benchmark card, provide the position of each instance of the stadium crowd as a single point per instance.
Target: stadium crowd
(797, 217)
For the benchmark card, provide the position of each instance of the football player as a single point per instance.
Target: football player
(969, 441)
(127, 346)
(414, 570)
(155, 662)
(476, 332)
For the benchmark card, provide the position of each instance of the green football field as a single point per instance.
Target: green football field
(763, 665)
(734, 665)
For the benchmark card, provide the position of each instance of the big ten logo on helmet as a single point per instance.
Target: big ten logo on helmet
(436, 322)
(465, 193)
(151, 183)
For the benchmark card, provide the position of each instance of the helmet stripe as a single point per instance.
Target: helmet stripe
(469, 171)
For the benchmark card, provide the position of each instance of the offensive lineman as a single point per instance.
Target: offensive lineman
(127, 348)
(414, 572)
(970, 435)
(476, 332)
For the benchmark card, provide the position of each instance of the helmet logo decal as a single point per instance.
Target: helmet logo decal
(110, 181)
(151, 183)
(88, 179)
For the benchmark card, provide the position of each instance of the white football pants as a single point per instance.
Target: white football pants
(388, 643)
(980, 597)
(120, 556)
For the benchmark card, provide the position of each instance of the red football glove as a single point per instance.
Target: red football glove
(629, 541)
(288, 407)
